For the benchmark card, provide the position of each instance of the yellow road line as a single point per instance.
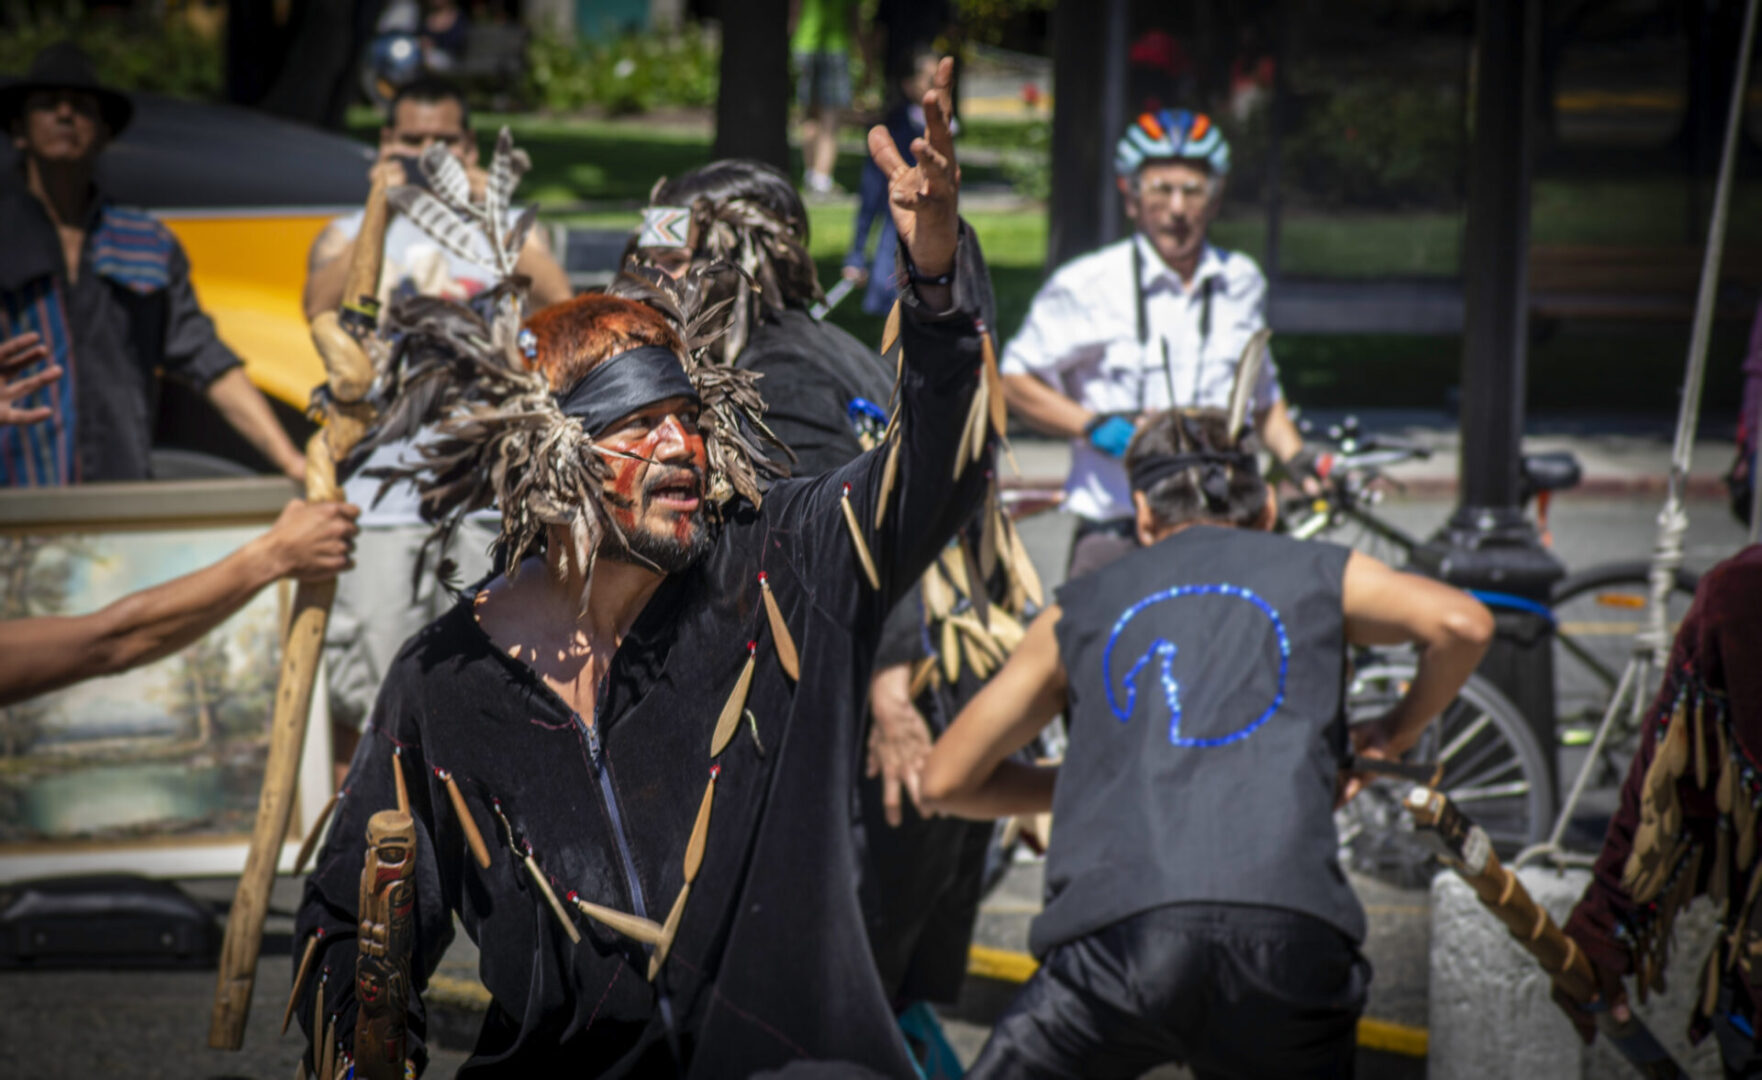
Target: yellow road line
(461, 993)
(1008, 966)
(1001, 964)
(1393, 1038)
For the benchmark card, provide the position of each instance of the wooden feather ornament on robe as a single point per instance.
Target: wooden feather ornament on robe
(310, 844)
(729, 721)
(473, 838)
(544, 889)
(300, 974)
(780, 637)
(634, 927)
(856, 538)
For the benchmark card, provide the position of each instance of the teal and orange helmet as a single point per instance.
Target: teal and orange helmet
(1172, 135)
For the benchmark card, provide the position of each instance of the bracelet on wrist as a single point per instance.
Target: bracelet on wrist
(918, 277)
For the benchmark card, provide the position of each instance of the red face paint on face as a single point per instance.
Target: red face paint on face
(655, 491)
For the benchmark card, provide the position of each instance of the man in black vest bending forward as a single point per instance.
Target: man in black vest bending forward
(1195, 911)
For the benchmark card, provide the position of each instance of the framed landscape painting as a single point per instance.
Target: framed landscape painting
(156, 770)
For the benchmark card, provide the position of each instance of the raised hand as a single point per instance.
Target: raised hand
(923, 198)
(15, 353)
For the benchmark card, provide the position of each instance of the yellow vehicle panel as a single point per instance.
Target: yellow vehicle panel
(248, 268)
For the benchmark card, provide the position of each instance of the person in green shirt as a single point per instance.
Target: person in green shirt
(824, 31)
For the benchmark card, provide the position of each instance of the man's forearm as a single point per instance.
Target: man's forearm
(38, 655)
(247, 411)
(1012, 788)
(1444, 666)
(550, 284)
(325, 282)
(1043, 408)
(1279, 433)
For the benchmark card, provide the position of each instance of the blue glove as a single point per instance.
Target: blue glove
(1111, 435)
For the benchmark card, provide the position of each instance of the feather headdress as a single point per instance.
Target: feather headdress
(485, 395)
(748, 217)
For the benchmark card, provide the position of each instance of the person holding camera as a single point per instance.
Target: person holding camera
(385, 602)
(422, 114)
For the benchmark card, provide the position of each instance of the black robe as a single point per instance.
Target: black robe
(771, 964)
(811, 371)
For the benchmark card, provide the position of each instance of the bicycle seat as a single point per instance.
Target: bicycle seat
(1556, 470)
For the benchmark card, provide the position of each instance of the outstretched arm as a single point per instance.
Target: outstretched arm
(1450, 628)
(905, 511)
(969, 773)
(310, 541)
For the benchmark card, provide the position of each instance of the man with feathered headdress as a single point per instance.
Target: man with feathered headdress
(628, 755)
(742, 225)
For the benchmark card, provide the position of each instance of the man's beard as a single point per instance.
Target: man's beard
(664, 552)
(660, 547)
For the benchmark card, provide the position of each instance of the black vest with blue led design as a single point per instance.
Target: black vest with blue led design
(1206, 732)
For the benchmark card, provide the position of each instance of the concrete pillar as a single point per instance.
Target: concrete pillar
(1490, 1013)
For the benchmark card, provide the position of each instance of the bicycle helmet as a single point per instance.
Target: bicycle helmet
(1172, 135)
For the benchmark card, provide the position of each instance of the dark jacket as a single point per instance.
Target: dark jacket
(771, 964)
(129, 315)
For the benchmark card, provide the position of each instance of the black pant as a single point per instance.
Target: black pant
(1227, 990)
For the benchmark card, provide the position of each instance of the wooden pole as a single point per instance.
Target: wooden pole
(349, 372)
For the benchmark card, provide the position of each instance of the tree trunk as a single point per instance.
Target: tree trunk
(1079, 146)
(752, 106)
(304, 70)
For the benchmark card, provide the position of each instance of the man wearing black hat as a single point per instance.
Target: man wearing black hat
(106, 293)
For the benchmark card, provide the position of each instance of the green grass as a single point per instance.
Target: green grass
(1585, 367)
(578, 160)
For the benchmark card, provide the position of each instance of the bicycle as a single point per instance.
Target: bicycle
(1590, 650)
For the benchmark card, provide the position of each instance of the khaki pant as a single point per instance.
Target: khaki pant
(376, 612)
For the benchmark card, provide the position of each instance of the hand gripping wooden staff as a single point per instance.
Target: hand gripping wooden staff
(348, 374)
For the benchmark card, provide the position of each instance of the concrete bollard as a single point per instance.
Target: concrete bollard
(1488, 1004)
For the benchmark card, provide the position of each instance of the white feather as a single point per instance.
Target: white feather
(442, 225)
(447, 177)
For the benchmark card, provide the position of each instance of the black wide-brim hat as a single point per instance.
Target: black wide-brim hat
(63, 66)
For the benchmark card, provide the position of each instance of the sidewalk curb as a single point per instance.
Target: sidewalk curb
(1699, 486)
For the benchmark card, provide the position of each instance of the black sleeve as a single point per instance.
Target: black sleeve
(902, 638)
(930, 497)
(331, 900)
(192, 352)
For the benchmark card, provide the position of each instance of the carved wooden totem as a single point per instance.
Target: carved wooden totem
(382, 970)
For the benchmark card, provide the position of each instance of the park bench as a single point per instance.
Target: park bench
(1581, 281)
(1576, 282)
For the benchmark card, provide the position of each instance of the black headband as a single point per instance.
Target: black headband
(627, 382)
(1214, 478)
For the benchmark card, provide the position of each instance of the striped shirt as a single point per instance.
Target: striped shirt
(129, 316)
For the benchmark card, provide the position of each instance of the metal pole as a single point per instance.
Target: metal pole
(1673, 519)
(1113, 113)
(1488, 544)
(1495, 262)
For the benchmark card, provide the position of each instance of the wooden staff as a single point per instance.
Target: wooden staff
(1465, 848)
(348, 374)
(382, 968)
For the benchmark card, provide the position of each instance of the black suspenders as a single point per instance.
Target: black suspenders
(1168, 372)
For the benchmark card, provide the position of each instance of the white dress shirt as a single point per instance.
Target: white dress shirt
(1081, 338)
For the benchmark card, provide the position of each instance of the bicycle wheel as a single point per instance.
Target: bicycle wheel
(1493, 768)
(1598, 611)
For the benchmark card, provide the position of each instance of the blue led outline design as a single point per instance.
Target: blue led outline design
(1166, 650)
